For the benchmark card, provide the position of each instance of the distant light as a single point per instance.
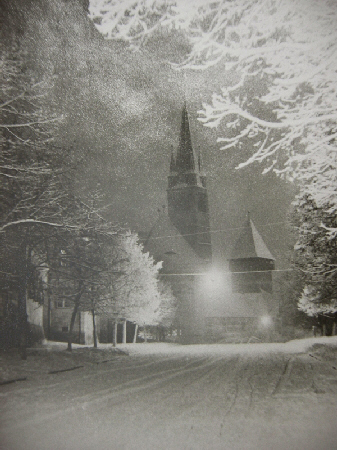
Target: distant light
(266, 321)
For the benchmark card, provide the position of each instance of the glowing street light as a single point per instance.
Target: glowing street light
(266, 321)
(214, 281)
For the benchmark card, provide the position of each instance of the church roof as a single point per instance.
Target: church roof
(166, 244)
(250, 244)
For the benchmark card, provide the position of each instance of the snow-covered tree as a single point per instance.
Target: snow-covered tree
(311, 304)
(136, 294)
(33, 190)
(167, 306)
(29, 165)
(128, 20)
(316, 257)
(80, 268)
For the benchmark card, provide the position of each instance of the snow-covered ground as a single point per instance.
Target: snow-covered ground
(295, 346)
(167, 396)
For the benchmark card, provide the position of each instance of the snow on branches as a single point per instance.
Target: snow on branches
(315, 256)
(138, 294)
(128, 20)
(29, 185)
(311, 305)
(291, 46)
(24, 119)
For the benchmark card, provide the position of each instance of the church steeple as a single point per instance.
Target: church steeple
(185, 167)
(186, 160)
(187, 194)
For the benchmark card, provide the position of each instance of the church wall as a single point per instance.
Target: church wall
(189, 319)
(188, 210)
(257, 275)
(241, 317)
(230, 329)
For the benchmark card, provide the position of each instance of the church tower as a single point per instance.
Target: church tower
(187, 194)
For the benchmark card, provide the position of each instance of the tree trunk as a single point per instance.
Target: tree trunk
(334, 329)
(135, 335)
(72, 323)
(94, 327)
(114, 337)
(324, 330)
(49, 308)
(124, 331)
(145, 336)
(79, 327)
(23, 322)
(22, 306)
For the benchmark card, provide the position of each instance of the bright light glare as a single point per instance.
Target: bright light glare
(214, 280)
(266, 321)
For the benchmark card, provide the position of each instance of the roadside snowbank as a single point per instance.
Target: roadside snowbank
(49, 358)
(52, 357)
(295, 346)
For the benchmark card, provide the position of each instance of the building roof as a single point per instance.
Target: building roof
(166, 244)
(250, 244)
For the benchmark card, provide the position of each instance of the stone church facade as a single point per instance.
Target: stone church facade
(181, 238)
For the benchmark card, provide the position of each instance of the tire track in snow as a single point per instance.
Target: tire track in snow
(197, 391)
(210, 385)
(284, 377)
(94, 374)
(239, 382)
(221, 385)
(323, 362)
(320, 380)
(102, 397)
(189, 388)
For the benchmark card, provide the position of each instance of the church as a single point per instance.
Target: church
(209, 309)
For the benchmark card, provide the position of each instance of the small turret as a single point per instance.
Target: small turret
(251, 262)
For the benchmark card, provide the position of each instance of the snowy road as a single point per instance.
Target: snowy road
(273, 396)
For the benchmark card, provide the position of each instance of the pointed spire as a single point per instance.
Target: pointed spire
(250, 244)
(186, 160)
